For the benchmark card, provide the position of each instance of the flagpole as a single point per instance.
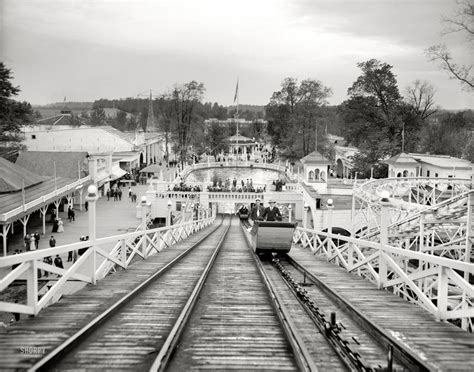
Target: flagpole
(55, 183)
(236, 98)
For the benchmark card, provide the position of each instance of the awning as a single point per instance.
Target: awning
(117, 173)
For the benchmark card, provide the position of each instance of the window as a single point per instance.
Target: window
(33, 136)
(427, 173)
(436, 175)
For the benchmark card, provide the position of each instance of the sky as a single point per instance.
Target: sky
(90, 49)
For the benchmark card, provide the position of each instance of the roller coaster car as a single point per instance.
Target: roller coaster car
(274, 236)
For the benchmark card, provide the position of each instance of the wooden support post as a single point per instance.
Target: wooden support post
(24, 221)
(384, 222)
(43, 211)
(5, 229)
(92, 196)
(32, 286)
(442, 293)
(124, 253)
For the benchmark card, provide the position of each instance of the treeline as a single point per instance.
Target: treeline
(376, 118)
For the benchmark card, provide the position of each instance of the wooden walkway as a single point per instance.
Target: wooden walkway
(444, 346)
(26, 341)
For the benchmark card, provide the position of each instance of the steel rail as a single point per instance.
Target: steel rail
(169, 345)
(302, 356)
(48, 360)
(406, 356)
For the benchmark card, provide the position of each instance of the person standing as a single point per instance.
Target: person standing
(55, 226)
(119, 194)
(26, 239)
(52, 242)
(48, 261)
(130, 192)
(58, 262)
(86, 205)
(37, 239)
(60, 226)
(257, 211)
(32, 245)
(272, 213)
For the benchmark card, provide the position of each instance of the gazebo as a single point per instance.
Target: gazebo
(240, 145)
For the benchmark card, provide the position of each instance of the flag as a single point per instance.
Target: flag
(236, 91)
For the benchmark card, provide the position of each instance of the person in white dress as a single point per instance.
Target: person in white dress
(60, 226)
(32, 242)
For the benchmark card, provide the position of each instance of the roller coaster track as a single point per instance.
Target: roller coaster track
(438, 224)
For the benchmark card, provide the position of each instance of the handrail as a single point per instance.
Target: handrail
(437, 284)
(141, 243)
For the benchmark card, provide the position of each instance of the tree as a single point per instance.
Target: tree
(184, 101)
(98, 117)
(294, 115)
(420, 95)
(375, 114)
(120, 121)
(13, 114)
(461, 22)
(449, 135)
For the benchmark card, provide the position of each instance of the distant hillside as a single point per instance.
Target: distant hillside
(53, 109)
(69, 105)
(250, 108)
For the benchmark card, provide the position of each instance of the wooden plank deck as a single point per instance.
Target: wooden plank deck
(26, 341)
(445, 346)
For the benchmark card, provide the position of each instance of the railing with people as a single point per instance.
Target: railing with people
(126, 247)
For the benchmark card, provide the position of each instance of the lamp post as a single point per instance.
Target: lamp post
(330, 206)
(168, 222)
(384, 221)
(91, 198)
(143, 205)
(305, 215)
(289, 213)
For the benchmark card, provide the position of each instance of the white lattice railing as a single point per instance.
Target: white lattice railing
(126, 247)
(438, 284)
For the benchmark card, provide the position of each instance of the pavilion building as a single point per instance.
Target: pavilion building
(23, 193)
(430, 166)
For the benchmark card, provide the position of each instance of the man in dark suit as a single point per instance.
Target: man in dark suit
(257, 211)
(272, 213)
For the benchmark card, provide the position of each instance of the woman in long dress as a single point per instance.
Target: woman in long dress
(60, 226)
(32, 242)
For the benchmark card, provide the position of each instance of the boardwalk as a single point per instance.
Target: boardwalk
(113, 218)
(443, 345)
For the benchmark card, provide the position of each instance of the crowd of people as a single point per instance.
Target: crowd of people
(235, 186)
(183, 187)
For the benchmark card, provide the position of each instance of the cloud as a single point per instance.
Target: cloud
(113, 48)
